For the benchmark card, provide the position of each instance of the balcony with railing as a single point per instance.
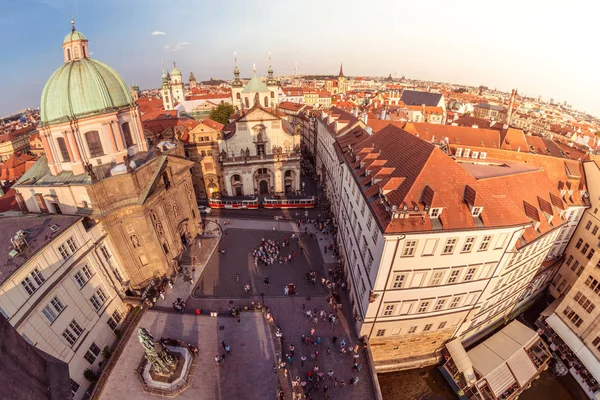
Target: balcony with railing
(278, 155)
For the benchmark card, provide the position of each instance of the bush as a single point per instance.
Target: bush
(106, 352)
(90, 375)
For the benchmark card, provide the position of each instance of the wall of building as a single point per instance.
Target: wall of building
(26, 312)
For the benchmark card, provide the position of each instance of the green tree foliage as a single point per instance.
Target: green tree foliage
(222, 113)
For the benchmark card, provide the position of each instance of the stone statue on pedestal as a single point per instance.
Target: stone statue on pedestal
(156, 353)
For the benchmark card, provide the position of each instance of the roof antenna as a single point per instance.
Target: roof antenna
(254, 67)
(72, 23)
(235, 58)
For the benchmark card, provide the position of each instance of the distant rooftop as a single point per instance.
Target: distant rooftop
(415, 98)
(41, 229)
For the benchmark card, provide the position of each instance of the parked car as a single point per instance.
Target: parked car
(204, 210)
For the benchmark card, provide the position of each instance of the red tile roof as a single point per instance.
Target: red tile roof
(213, 124)
(458, 135)
(418, 164)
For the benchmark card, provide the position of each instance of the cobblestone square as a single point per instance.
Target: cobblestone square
(219, 277)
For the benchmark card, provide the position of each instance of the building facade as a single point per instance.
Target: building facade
(202, 147)
(255, 91)
(97, 163)
(61, 287)
(260, 154)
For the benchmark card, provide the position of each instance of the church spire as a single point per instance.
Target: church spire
(270, 79)
(236, 72)
(72, 23)
(341, 70)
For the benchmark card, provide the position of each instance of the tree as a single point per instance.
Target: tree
(90, 375)
(106, 352)
(222, 113)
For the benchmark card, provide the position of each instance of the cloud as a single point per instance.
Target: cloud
(158, 33)
(170, 48)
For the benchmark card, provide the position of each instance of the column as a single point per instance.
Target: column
(75, 154)
(111, 137)
(117, 135)
(54, 168)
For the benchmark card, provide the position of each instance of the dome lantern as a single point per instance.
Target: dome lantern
(75, 45)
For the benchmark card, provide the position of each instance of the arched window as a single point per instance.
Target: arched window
(83, 50)
(288, 173)
(127, 134)
(236, 178)
(266, 101)
(64, 152)
(238, 96)
(68, 54)
(94, 145)
(247, 103)
(272, 95)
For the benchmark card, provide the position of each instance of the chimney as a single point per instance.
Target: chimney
(383, 113)
(365, 117)
(510, 106)
(423, 112)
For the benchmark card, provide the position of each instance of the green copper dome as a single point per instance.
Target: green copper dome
(74, 35)
(82, 88)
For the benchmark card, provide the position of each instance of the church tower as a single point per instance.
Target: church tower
(341, 81)
(177, 85)
(272, 85)
(165, 92)
(192, 81)
(236, 86)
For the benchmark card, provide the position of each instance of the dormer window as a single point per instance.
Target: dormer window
(570, 193)
(476, 211)
(563, 192)
(435, 212)
(536, 225)
(458, 152)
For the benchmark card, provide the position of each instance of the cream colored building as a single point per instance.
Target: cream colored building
(572, 323)
(60, 287)
(260, 154)
(430, 251)
(255, 91)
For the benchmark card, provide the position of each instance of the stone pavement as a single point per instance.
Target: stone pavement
(219, 278)
(246, 374)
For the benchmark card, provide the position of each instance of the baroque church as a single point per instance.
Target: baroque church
(98, 164)
(259, 150)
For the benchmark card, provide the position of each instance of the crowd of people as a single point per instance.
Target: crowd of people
(268, 252)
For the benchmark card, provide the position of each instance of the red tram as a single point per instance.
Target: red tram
(233, 203)
(289, 202)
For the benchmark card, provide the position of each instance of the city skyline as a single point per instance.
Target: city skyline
(507, 48)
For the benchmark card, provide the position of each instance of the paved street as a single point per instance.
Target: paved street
(246, 374)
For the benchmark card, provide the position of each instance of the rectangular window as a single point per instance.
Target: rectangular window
(92, 353)
(468, 246)
(591, 254)
(398, 281)
(98, 299)
(389, 310)
(427, 327)
(117, 316)
(434, 212)
(575, 265)
(470, 273)
(83, 275)
(485, 243)
(579, 243)
(412, 329)
(449, 246)
(436, 278)
(62, 249)
(364, 245)
(439, 305)
(72, 333)
(584, 302)
(74, 387)
(72, 245)
(442, 325)
(28, 285)
(455, 301)
(52, 310)
(37, 276)
(409, 248)
(595, 230)
(423, 307)
(375, 234)
(569, 260)
(573, 316)
(454, 276)
(112, 323)
(380, 332)
(588, 225)
(105, 253)
(501, 241)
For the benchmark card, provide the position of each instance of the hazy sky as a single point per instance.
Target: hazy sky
(540, 47)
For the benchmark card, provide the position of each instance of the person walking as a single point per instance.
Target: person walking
(218, 359)
(302, 359)
(237, 277)
(223, 345)
(228, 350)
(291, 348)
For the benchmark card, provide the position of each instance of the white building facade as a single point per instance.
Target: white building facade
(62, 293)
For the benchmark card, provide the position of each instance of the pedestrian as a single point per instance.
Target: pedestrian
(312, 331)
(334, 339)
(222, 357)
(316, 369)
(335, 382)
(237, 277)
(228, 350)
(274, 369)
(302, 359)
(303, 308)
(290, 359)
(223, 345)
(218, 359)
(286, 291)
(328, 350)
(330, 374)
(291, 348)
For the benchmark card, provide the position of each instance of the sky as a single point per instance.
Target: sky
(539, 47)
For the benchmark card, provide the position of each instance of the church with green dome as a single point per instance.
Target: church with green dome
(87, 114)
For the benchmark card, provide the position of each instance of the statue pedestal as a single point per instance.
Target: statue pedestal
(173, 381)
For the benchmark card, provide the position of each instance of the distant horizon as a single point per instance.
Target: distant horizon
(444, 44)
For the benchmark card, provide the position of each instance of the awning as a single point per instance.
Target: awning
(461, 359)
(577, 346)
(521, 366)
(500, 379)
